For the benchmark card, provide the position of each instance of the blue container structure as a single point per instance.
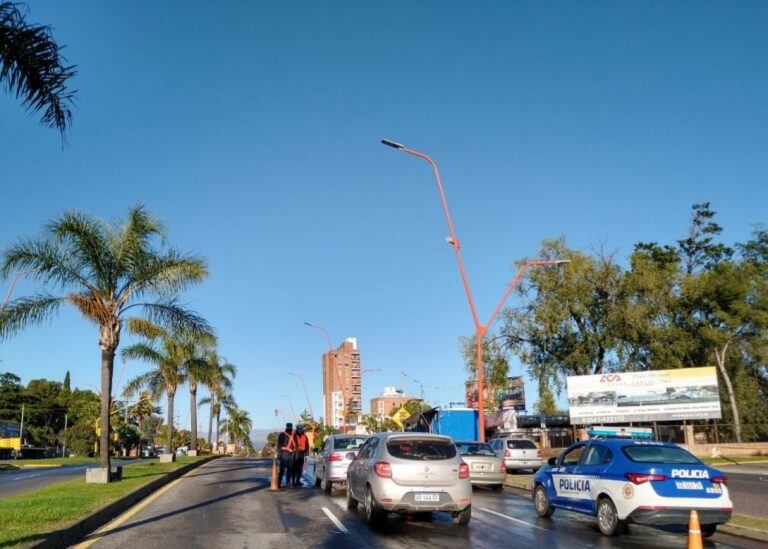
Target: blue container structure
(457, 423)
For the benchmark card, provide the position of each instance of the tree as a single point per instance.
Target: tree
(67, 386)
(201, 366)
(698, 249)
(105, 271)
(11, 397)
(144, 408)
(239, 425)
(170, 353)
(219, 385)
(33, 69)
(495, 368)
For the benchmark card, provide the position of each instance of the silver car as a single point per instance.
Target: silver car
(485, 467)
(409, 472)
(518, 453)
(334, 458)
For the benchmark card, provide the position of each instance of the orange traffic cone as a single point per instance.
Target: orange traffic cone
(275, 486)
(694, 532)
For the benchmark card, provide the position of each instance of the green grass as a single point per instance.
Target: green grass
(520, 481)
(750, 522)
(8, 467)
(27, 516)
(53, 462)
(725, 460)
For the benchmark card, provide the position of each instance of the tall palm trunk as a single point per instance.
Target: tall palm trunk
(210, 425)
(193, 413)
(107, 365)
(169, 437)
(218, 424)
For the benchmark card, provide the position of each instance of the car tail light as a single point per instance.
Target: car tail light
(463, 470)
(502, 466)
(720, 480)
(538, 453)
(382, 469)
(640, 478)
(335, 457)
(507, 453)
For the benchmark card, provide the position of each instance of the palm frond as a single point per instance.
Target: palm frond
(143, 352)
(27, 311)
(130, 242)
(163, 275)
(46, 262)
(144, 328)
(148, 380)
(33, 68)
(175, 317)
(87, 239)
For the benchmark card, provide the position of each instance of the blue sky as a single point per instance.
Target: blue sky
(252, 129)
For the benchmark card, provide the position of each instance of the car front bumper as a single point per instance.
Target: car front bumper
(677, 515)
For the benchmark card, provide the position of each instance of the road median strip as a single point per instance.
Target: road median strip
(64, 513)
(741, 525)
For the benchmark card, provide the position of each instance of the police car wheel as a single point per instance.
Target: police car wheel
(607, 518)
(708, 530)
(541, 502)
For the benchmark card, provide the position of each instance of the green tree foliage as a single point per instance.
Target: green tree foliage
(11, 397)
(495, 366)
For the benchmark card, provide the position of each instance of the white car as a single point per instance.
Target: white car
(518, 453)
(333, 459)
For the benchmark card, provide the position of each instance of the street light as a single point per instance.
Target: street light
(306, 393)
(293, 410)
(480, 328)
(334, 367)
(13, 283)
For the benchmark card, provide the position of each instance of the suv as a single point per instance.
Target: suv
(409, 472)
(517, 453)
(333, 459)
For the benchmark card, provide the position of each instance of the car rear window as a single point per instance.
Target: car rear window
(659, 454)
(348, 443)
(520, 444)
(474, 449)
(421, 449)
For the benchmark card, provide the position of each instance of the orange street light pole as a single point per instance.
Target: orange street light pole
(13, 284)
(293, 410)
(306, 393)
(480, 328)
(334, 367)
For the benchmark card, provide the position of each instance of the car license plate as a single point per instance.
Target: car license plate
(525, 462)
(480, 467)
(426, 497)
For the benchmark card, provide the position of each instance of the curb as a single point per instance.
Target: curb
(731, 529)
(76, 531)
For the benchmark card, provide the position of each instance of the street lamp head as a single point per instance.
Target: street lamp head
(308, 324)
(562, 261)
(392, 144)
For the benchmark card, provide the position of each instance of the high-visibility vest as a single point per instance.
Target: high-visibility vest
(289, 446)
(303, 442)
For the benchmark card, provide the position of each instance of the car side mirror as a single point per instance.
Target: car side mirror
(352, 456)
(552, 461)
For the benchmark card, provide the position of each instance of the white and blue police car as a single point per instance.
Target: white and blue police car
(621, 481)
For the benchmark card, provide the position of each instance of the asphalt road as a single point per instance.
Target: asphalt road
(227, 503)
(748, 485)
(13, 483)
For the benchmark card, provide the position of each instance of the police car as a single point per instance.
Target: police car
(625, 480)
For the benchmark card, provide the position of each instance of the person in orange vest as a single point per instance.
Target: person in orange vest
(302, 448)
(286, 446)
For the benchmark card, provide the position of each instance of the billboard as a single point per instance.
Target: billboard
(657, 395)
(512, 395)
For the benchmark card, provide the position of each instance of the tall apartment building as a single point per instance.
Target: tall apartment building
(390, 400)
(342, 382)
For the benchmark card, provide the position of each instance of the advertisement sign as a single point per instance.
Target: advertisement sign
(512, 395)
(659, 395)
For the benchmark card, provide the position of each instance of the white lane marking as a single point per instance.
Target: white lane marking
(342, 506)
(491, 511)
(334, 520)
(29, 476)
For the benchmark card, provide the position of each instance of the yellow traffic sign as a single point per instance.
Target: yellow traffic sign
(401, 415)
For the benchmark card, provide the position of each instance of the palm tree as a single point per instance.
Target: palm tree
(106, 271)
(219, 385)
(143, 408)
(200, 368)
(239, 426)
(33, 69)
(171, 354)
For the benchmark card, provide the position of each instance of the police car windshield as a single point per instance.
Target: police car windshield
(659, 454)
(474, 449)
(352, 443)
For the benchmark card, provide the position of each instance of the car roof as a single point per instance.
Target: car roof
(621, 442)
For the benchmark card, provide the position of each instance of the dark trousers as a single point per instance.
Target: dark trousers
(286, 468)
(298, 468)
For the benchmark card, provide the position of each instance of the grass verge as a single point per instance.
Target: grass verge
(27, 516)
(520, 481)
(8, 467)
(758, 523)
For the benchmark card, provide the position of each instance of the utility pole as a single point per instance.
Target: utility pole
(64, 445)
(21, 428)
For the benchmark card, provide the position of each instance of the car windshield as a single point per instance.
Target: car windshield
(348, 443)
(521, 444)
(659, 454)
(474, 449)
(421, 449)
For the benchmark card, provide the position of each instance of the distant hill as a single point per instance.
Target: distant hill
(259, 437)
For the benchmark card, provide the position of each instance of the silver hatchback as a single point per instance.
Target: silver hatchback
(333, 459)
(409, 472)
